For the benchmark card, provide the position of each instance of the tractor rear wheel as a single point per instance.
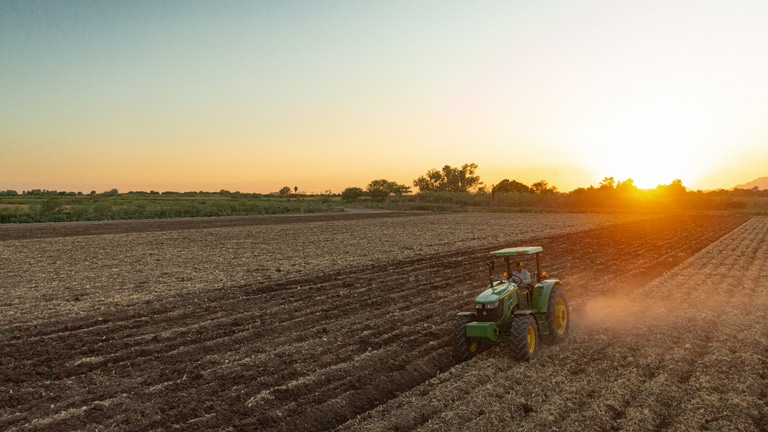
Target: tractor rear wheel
(463, 347)
(524, 337)
(556, 317)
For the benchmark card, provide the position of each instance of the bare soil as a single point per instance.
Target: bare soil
(344, 321)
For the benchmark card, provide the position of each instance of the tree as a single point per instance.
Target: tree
(542, 187)
(285, 191)
(381, 189)
(295, 189)
(627, 187)
(608, 183)
(351, 194)
(431, 182)
(672, 190)
(449, 179)
(506, 186)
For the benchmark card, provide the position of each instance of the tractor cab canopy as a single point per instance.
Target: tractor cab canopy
(513, 251)
(513, 255)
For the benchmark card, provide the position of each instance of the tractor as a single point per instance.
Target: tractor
(511, 311)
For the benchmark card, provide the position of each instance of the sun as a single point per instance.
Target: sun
(648, 167)
(653, 144)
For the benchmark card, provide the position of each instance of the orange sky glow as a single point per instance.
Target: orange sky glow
(254, 96)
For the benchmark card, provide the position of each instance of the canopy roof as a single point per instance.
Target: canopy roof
(513, 251)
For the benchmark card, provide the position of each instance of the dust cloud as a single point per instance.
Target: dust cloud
(658, 306)
(610, 312)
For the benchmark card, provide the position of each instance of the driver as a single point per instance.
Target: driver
(522, 274)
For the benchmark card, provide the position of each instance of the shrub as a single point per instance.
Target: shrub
(352, 194)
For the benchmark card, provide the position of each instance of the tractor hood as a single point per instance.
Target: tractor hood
(495, 293)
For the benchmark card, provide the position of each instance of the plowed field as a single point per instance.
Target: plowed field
(344, 322)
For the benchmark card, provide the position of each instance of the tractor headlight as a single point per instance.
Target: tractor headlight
(491, 305)
(478, 305)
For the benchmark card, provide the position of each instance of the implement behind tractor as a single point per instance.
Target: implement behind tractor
(511, 310)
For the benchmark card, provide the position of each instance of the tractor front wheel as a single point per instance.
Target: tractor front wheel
(463, 347)
(524, 337)
(556, 317)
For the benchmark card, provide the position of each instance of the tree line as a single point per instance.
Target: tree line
(448, 179)
(448, 188)
(463, 187)
(462, 180)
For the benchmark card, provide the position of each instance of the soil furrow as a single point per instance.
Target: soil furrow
(314, 352)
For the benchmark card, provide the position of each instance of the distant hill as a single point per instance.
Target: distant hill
(761, 183)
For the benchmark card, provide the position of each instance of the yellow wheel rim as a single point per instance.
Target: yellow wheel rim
(473, 346)
(561, 316)
(531, 339)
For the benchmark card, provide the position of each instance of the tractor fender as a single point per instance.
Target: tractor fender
(541, 295)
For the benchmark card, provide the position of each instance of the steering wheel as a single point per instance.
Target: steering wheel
(516, 279)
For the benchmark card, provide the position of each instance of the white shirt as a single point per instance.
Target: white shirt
(524, 276)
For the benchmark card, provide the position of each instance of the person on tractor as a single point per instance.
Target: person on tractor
(521, 276)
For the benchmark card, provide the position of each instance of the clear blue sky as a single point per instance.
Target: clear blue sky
(253, 96)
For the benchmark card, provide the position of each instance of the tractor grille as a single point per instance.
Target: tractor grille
(489, 315)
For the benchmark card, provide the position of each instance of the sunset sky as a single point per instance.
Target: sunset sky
(252, 96)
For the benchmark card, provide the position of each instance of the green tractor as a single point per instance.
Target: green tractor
(513, 311)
